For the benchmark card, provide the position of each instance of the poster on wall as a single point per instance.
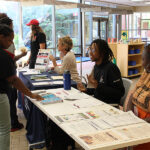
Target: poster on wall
(124, 35)
(42, 60)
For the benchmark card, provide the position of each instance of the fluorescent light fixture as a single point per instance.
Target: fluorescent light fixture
(137, 0)
(148, 3)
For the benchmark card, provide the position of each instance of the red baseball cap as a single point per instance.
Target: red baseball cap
(33, 22)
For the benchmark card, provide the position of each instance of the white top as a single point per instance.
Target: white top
(11, 48)
(69, 63)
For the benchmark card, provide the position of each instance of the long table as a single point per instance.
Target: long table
(36, 119)
(92, 123)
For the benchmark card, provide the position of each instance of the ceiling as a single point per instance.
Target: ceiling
(125, 2)
(110, 6)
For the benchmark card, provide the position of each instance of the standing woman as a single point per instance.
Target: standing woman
(38, 41)
(8, 76)
(12, 92)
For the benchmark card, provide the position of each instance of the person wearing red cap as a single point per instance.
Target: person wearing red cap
(38, 41)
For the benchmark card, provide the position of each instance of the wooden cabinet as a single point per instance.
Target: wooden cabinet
(129, 59)
(113, 47)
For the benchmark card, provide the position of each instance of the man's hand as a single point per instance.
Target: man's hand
(81, 87)
(92, 81)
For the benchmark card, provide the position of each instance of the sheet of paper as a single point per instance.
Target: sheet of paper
(57, 82)
(42, 79)
(97, 114)
(71, 117)
(99, 138)
(32, 71)
(133, 132)
(41, 83)
(85, 104)
(85, 126)
(80, 127)
(125, 118)
(57, 77)
(22, 69)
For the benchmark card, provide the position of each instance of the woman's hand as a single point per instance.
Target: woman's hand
(52, 58)
(81, 87)
(92, 81)
(23, 53)
(37, 97)
(61, 55)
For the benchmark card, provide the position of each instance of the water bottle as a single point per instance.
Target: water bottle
(67, 80)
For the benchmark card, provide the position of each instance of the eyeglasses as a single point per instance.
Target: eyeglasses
(59, 44)
(90, 49)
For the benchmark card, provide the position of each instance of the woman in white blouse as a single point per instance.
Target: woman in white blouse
(65, 45)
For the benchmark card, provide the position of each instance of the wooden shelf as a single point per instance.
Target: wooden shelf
(138, 65)
(123, 58)
(134, 75)
(137, 43)
(135, 54)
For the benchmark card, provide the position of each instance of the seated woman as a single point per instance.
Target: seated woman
(65, 45)
(140, 96)
(105, 77)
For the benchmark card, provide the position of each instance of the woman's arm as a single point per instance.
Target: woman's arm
(16, 58)
(18, 84)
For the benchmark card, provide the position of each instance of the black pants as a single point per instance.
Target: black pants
(12, 96)
(32, 64)
(60, 140)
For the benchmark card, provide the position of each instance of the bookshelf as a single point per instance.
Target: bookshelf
(129, 59)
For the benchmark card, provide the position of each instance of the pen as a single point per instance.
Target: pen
(65, 92)
(76, 105)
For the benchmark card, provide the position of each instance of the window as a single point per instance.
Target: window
(8, 8)
(138, 26)
(67, 23)
(44, 15)
(88, 28)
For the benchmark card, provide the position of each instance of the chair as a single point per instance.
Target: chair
(127, 84)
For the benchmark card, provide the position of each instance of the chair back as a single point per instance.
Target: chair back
(127, 84)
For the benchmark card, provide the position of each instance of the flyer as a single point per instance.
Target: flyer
(42, 60)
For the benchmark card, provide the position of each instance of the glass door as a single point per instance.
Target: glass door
(103, 30)
(100, 28)
(95, 30)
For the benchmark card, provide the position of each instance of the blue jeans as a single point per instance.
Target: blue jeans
(4, 122)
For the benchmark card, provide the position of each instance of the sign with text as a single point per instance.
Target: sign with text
(42, 60)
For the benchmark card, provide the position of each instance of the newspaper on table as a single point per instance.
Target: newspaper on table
(102, 121)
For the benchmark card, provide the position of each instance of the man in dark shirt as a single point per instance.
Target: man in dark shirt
(105, 77)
